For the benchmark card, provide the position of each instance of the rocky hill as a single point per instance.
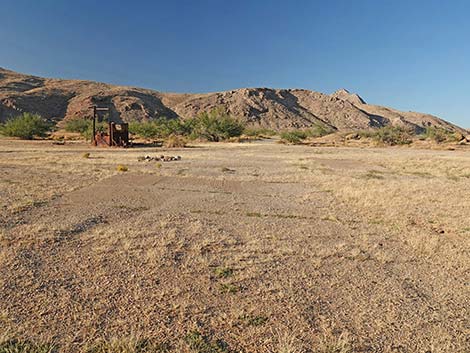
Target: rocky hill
(264, 107)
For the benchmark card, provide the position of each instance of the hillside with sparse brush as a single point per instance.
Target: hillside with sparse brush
(278, 109)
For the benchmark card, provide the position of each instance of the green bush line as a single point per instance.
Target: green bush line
(85, 127)
(26, 126)
(298, 135)
(390, 135)
(440, 135)
(217, 125)
(397, 135)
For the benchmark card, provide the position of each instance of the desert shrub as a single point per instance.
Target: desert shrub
(145, 129)
(26, 126)
(174, 141)
(223, 272)
(394, 135)
(100, 127)
(78, 125)
(170, 127)
(85, 127)
(294, 136)
(440, 135)
(389, 135)
(361, 133)
(319, 131)
(298, 135)
(215, 126)
(258, 132)
(160, 128)
(122, 168)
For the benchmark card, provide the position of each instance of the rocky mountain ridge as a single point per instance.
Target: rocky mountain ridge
(59, 99)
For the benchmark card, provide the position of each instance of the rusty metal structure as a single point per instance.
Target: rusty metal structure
(117, 135)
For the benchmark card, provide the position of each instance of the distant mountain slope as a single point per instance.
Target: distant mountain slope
(273, 108)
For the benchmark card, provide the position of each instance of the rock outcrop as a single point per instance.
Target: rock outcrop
(264, 107)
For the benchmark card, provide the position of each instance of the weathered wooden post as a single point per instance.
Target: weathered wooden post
(111, 132)
(94, 125)
(96, 111)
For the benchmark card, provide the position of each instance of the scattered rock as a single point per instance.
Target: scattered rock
(158, 159)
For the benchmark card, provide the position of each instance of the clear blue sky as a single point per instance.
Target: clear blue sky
(411, 55)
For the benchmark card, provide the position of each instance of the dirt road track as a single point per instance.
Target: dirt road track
(251, 251)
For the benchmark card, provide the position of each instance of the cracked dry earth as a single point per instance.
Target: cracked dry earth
(255, 247)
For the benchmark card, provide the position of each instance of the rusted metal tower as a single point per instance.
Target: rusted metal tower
(118, 133)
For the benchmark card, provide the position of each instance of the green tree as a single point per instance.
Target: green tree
(26, 126)
(216, 125)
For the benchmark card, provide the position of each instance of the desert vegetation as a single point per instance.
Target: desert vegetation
(396, 135)
(26, 126)
(390, 135)
(82, 126)
(160, 128)
(259, 132)
(440, 135)
(209, 126)
(218, 126)
(85, 127)
(13, 345)
(214, 126)
(296, 136)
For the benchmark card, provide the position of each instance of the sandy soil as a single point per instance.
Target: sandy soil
(255, 247)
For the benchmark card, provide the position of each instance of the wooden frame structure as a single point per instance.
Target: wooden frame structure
(118, 133)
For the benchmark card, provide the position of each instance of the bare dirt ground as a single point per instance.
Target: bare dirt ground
(255, 247)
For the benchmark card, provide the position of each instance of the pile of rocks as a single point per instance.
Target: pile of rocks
(159, 159)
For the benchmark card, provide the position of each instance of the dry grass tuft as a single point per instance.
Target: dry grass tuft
(253, 320)
(335, 344)
(223, 272)
(122, 168)
(25, 346)
(228, 288)
(287, 342)
(199, 343)
(128, 345)
(373, 174)
(175, 141)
